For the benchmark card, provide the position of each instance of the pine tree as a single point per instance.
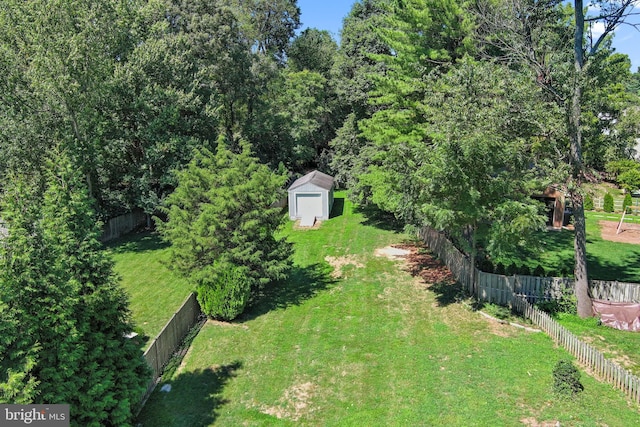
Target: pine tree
(627, 203)
(608, 203)
(220, 214)
(70, 314)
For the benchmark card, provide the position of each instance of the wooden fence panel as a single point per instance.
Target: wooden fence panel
(165, 344)
(123, 224)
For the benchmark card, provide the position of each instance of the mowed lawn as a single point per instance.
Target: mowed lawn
(606, 260)
(155, 292)
(354, 340)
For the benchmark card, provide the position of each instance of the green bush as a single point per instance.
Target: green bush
(566, 378)
(627, 203)
(524, 270)
(225, 294)
(512, 269)
(608, 202)
(630, 179)
(485, 264)
(588, 203)
(539, 271)
(499, 268)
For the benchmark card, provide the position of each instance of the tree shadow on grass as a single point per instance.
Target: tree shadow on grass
(375, 217)
(303, 283)
(626, 269)
(448, 293)
(435, 275)
(338, 207)
(195, 398)
(137, 242)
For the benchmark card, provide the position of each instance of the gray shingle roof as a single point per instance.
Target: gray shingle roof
(318, 178)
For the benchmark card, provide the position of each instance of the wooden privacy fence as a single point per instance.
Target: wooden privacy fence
(497, 288)
(165, 344)
(517, 290)
(123, 224)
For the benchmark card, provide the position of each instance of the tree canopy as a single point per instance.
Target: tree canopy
(221, 215)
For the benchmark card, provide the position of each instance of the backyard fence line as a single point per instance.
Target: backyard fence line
(598, 204)
(598, 365)
(123, 224)
(497, 288)
(512, 291)
(167, 341)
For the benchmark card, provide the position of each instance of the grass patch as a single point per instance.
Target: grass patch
(353, 339)
(155, 292)
(618, 346)
(606, 260)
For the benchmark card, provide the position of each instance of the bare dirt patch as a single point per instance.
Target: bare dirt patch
(630, 232)
(392, 252)
(420, 262)
(316, 225)
(295, 403)
(532, 422)
(339, 262)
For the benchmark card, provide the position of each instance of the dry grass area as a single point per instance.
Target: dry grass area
(338, 264)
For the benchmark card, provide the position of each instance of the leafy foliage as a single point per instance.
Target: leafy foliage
(220, 214)
(354, 78)
(312, 50)
(225, 292)
(566, 378)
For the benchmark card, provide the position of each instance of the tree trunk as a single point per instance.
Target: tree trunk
(580, 272)
(581, 286)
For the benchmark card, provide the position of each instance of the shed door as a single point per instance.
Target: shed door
(309, 205)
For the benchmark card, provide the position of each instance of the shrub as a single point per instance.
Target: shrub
(539, 271)
(566, 378)
(588, 203)
(524, 270)
(608, 202)
(511, 269)
(499, 269)
(627, 203)
(630, 179)
(485, 264)
(225, 294)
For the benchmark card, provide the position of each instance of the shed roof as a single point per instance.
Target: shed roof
(318, 178)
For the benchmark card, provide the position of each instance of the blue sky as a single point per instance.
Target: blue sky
(328, 15)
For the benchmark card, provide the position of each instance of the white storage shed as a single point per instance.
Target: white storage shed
(311, 198)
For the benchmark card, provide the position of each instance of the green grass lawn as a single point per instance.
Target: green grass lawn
(155, 292)
(351, 339)
(606, 260)
(618, 346)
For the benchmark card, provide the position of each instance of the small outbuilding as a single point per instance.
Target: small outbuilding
(311, 198)
(558, 213)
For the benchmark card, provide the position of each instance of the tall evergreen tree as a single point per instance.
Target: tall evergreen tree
(221, 215)
(353, 75)
(70, 312)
